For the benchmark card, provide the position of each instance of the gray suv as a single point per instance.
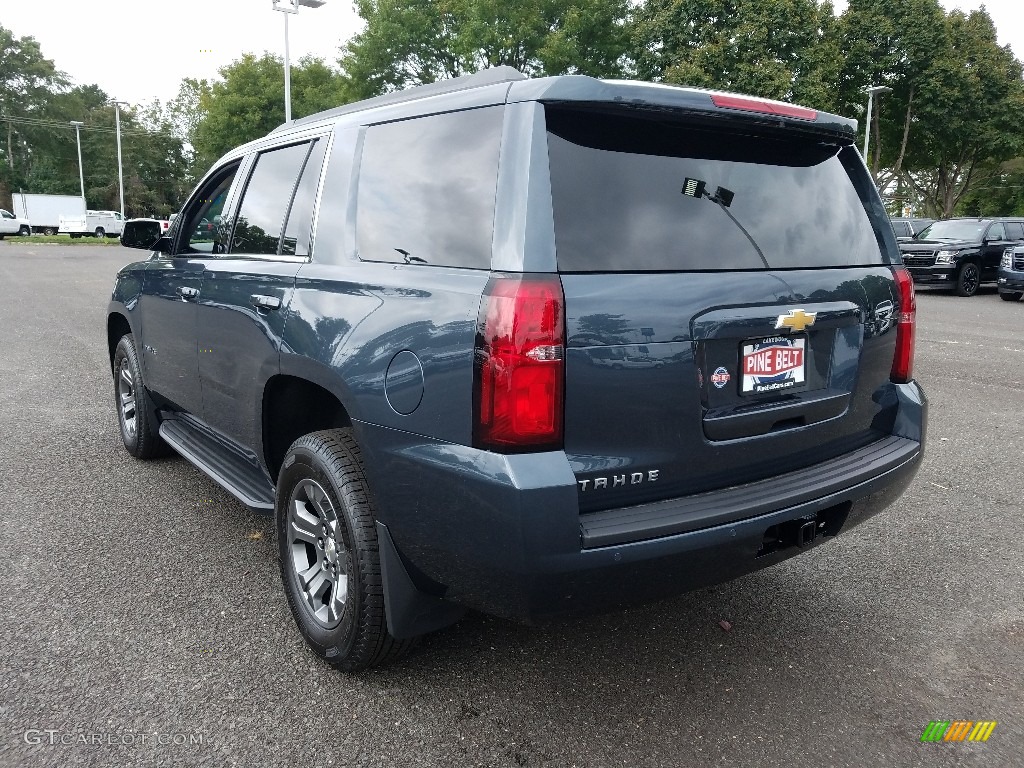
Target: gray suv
(531, 347)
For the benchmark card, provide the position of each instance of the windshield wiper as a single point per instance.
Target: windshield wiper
(723, 199)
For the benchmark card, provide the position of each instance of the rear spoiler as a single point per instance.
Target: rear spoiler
(670, 98)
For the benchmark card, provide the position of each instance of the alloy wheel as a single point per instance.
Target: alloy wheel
(970, 279)
(126, 400)
(319, 557)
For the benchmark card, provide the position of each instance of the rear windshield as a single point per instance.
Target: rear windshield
(635, 194)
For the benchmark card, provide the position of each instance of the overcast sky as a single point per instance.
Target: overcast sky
(138, 50)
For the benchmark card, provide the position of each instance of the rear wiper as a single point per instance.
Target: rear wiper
(409, 258)
(723, 199)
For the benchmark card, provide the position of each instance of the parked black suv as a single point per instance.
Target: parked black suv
(961, 253)
(403, 333)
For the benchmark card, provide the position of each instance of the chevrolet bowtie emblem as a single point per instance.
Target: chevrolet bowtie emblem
(796, 320)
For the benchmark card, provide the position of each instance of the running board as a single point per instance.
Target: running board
(239, 475)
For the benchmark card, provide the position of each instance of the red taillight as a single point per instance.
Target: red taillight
(906, 320)
(520, 364)
(766, 107)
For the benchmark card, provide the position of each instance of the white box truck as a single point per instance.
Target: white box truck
(93, 224)
(44, 211)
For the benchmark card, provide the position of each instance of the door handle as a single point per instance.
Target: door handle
(265, 302)
(187, 293)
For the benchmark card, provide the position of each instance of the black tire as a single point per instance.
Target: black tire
(24, 232)
(1010, 295)
(322, 490)
(140, 436)
(49, 231)
(968, 279)
(99, 232)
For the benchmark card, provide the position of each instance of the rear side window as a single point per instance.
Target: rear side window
(617, 181)
(995, 232)
(266, 200)
(300, 219)
(427, 188)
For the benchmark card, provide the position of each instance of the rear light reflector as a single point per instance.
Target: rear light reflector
(906, 321)
(764, 107)
(520, 365)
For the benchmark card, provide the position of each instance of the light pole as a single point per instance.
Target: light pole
(287, 7)
(120, 171)
(78, 140)
(871, 91)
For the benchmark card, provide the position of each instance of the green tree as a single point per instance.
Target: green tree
(411, 42)
(248, 102)
(950, 121)
(27, 80)
(969, 110)
(39, 152)
(782, 49)
(894, 44)
(1002, 194)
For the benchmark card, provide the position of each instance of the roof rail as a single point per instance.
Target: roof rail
(489, 76)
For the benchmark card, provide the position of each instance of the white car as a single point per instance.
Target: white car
(12, 225)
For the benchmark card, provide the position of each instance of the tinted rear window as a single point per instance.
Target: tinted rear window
(617, 181)
(427, 189)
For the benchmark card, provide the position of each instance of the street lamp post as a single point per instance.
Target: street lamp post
(287, 7)
(78, 140)
(120, 170)
(871, 91)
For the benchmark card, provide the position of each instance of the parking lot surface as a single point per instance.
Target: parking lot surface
(142, 608)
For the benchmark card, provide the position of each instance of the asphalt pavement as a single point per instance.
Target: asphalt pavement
(142, 620)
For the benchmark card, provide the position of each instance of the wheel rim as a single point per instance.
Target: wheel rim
(319, 557)
(970, 278)
(126, 400)
(99, 233)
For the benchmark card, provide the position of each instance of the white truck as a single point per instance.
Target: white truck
(43, 212)
(93, 223)
(12, 225)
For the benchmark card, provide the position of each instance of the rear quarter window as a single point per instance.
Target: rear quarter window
(427, 189)
(617, 182)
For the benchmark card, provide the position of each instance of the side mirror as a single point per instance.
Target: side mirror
(142, 233)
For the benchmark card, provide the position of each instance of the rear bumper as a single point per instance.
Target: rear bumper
(503, 534)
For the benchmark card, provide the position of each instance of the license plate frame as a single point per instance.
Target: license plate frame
(772, 365)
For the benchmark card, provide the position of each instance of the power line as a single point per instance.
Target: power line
(37, 123)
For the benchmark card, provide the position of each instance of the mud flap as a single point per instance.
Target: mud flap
(410, 612)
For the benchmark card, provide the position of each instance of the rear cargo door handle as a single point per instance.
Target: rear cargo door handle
(265, 303)
(187, 293)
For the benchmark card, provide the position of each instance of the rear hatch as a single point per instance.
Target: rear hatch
(729, 302)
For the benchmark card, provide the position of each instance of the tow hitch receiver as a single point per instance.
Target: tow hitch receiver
(806, 532)
(802, 532)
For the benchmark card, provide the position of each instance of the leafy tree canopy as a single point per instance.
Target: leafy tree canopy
(248, 102)
(782, 49)
(411, 42)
